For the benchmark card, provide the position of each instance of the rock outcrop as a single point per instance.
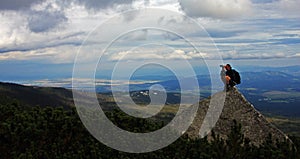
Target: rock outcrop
(236, 107)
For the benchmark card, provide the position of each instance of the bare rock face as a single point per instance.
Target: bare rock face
(236, 107)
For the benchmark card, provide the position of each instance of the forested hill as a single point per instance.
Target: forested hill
(36, 96)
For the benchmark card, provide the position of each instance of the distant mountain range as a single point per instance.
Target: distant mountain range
(273, 92)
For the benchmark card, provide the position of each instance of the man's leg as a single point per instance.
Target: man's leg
(227, 79)
(227, 83)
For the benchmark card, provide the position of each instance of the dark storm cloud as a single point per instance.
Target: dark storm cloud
(41, 21)
(16, 4)
(89, 4)
(101, 4)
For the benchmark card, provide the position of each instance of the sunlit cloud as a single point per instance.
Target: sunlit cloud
(154, 55)
(216, 8)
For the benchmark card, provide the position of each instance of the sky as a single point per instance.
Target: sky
(42, 39)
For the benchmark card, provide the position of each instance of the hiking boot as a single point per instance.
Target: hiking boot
(228, 88)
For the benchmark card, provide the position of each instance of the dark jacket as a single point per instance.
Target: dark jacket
(231, 74)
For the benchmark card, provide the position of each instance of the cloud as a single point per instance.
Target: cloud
(153, 55)
(38, 29)
(278, 9)
(192, 55)
(297, 55)
(42, 21)
(59, 54)
(102, 4)
(216, 8)
(19, 55)
(263, 1)
(289, 7)
(238, 56)
(219, 33)
(17, 4)
(89, 4)
(42, 43)
(137, 35)
(134, 55)
(285, 41)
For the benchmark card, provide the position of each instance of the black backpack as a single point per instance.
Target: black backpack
(236, 77)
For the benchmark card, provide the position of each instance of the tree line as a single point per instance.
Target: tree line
(36, 132)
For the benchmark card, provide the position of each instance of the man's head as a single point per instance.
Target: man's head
(228, 67)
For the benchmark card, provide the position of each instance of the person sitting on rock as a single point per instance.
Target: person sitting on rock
(229, 76)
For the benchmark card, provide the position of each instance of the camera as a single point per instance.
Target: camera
(221, 65)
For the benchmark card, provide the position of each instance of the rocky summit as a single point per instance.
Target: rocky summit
(234, 106)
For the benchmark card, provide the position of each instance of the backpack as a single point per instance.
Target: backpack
(236, 77)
